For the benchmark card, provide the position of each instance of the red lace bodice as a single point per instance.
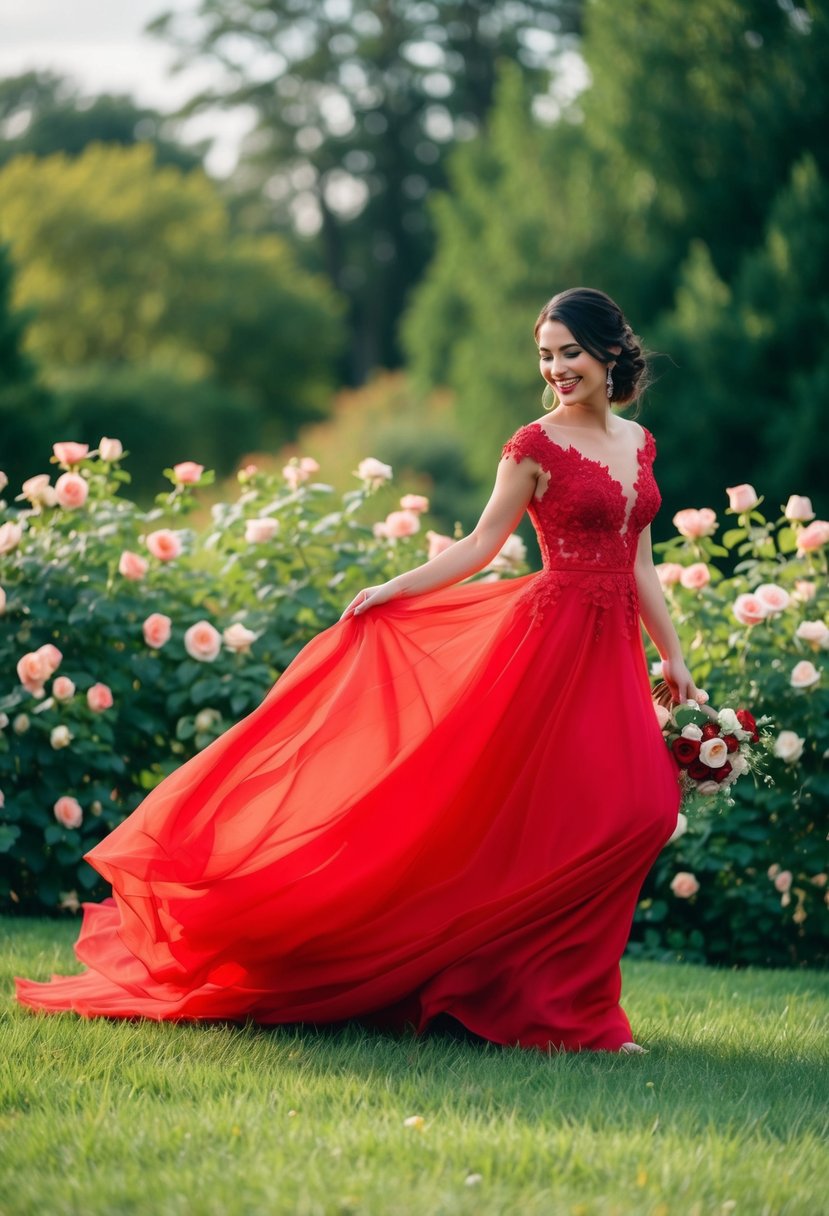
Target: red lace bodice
(586, 526)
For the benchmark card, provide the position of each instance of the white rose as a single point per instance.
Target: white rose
(691, 731)
(814, 632)
(61, 736)
(729, 724)
(663, 715)
(739, 764)
(714, 753)
(373, 471)
(788, 746)
(799, 508)
(236, 637)
(708, 788)
(510, 555)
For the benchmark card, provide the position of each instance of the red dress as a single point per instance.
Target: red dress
(446, 805)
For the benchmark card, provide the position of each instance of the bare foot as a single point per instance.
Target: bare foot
(632, 1047)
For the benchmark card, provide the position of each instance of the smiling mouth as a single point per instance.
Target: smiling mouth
(567, 383)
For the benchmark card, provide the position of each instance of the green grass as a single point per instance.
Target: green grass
(727, 1113)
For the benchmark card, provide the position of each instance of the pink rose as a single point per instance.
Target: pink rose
(249, 471)
(438, 543)
(203, 642)
(99, 698)
(68, 812)
(4, 481)
(63, 689)
(260, 531)
(157, 628)
(684, 884)
(695, 577)
(813, 536)
(748, 609)
(414, 502)
(10, 534)
(783, 880)
(70, 453)
(798, 509)
(187, 472)
(71, 490)
(402, 523)
(663, 715)
(51, 656)
(742, 498)
(669, 573)
(32, 672)
(804, 590)
(110, 450)
(695, 523)
(39, 490)
(239, 639)
(773, 598)
(804, 674)
(813, 632)
(164, 545)
(299, 470)
(132, 566)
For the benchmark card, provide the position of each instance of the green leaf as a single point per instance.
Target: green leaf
(9, 834)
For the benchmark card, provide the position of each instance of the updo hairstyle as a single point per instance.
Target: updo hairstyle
(597, 323)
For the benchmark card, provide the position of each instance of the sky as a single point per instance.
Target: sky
(101, 44)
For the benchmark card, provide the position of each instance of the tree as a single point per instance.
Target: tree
(748, 397)
(24, 402)
(357, 106)
(644, 176)
(43, 113)
(126, 264)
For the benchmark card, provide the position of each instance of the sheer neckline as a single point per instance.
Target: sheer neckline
(629, 497)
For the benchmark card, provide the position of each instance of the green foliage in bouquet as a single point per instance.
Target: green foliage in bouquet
(130, 640)
(746, 882)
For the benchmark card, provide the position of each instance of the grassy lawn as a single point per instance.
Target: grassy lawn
(727, 1113)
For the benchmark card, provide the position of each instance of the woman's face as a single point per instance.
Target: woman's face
(574, 375)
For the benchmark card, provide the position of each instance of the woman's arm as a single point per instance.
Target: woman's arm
(514, 487)
(656, 619)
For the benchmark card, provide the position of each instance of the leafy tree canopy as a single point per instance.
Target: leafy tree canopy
(43, 113)
(358, 105)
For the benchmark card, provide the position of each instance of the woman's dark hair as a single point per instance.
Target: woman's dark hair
(597, 323)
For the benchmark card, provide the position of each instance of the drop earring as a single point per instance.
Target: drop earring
(609, 383)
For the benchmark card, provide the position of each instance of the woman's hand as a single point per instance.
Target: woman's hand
(678, 678)
(369, 597)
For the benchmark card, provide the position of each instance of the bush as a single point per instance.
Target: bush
(760, 863)
(84, 588)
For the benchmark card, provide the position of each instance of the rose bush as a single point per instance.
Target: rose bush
(755, 636)
(130, 640)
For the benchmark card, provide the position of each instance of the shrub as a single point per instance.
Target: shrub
(153, 637)
(761, 863)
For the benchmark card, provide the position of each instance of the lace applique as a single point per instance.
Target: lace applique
(586, 527)
(604, 591)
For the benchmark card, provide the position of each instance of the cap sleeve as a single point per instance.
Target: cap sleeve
(527, 441)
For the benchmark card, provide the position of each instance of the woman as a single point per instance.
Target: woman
(450, 799)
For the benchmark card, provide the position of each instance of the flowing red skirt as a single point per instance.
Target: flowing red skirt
(440, 807)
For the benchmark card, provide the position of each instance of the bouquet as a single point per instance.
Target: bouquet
(712, 748)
